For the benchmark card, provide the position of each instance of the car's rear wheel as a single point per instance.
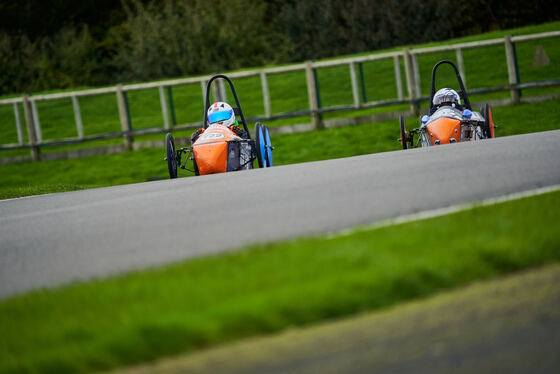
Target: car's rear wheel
(260, 145)
(268, 147)
(171, 156)
(488, 126)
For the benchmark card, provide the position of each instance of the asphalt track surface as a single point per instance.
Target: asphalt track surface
(54, 239)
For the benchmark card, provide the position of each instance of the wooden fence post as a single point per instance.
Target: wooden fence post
(216, 91)
(171, 105)
(512, 68)
(398, 78)
(222, 94)
(461, 63)
(416, 69)
(35, 151)
(163, 102)
(36, 123)
(78, 117)
(409, 70)
(123, 115)
(203, 87)
(316, 118)
(362, 82)
(266, 95)
(18, 124)
(354, 80)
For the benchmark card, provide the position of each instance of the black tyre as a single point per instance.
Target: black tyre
(260, 145)
(171, 156)
(404, 139)
(486, 126)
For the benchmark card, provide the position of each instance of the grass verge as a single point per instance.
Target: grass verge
(147, 164)
(28, 190)
(265, 288)
(465, 330)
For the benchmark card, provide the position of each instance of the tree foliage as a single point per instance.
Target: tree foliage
(59, 44)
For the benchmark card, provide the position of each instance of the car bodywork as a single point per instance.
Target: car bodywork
(218, 149)
(449, 124)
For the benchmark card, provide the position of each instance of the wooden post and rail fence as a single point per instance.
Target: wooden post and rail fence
(315, 110)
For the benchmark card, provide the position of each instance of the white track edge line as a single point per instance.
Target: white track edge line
(426, 214)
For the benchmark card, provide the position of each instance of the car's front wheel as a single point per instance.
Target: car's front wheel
(171, 156)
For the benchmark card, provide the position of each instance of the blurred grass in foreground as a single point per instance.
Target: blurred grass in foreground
(515, 316)
(265, 288)
(147, 164)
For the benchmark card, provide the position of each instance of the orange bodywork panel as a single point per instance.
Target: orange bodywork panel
(211, 157)
(211, 149)
(443, 129)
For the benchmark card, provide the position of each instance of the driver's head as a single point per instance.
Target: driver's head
(221, 113)
(446, 96)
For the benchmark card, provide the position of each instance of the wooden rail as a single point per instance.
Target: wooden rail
(408, 56)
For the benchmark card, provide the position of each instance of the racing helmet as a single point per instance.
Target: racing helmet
(221, 113)
(447, 96)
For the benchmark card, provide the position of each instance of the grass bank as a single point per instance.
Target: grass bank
(265, 288)
(147, 164)
(514, 316)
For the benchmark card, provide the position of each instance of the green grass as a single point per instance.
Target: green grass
(484, 67)
(147, 164)
(501, 315)
(97, 171)
(27, 190)
(265, 288)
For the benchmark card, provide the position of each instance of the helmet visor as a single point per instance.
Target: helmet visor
(219, 116)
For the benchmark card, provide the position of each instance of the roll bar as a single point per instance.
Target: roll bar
(462, 93)
(237, 110)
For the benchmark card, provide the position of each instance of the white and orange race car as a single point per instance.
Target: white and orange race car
(218, 149)
(450, 120)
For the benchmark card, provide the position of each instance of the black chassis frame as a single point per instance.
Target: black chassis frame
(236, 110)
(462, 94)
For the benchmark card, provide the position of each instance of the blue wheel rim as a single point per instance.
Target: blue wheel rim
(262, 145)
(268, 148)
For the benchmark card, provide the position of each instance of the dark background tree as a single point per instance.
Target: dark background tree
(62, 43)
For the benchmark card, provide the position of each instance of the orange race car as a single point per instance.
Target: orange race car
(449, 121)
(221, 145)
